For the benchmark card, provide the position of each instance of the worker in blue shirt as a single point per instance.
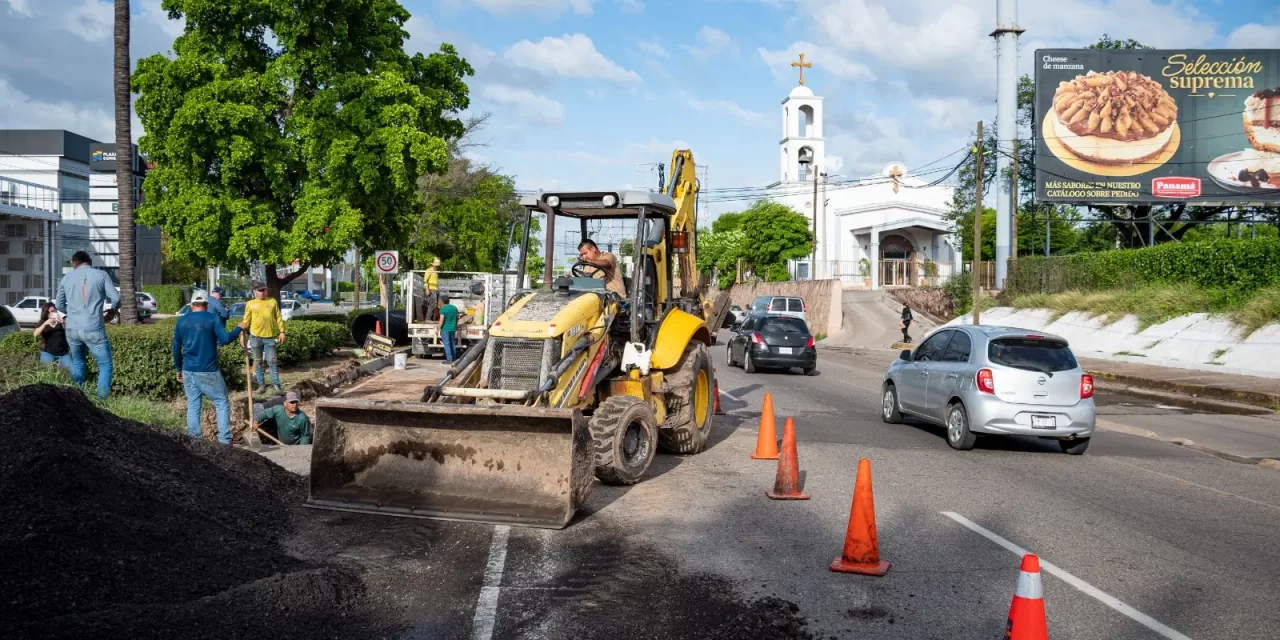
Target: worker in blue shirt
(196, 339)
(217, 307)
(81, 296)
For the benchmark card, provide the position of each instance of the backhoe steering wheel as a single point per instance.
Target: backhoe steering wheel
(578, 272)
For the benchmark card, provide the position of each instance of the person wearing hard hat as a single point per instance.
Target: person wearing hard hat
(432, 284)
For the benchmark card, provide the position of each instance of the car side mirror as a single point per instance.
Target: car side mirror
(905, 355)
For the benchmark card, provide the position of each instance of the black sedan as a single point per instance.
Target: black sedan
(773, 341)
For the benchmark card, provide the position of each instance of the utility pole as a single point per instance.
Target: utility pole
(355, 279)
(813, 266)
(824, 216)
(1006, 34)
(977, 229)
(1013, 193)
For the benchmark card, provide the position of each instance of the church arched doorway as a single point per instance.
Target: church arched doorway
(897, 261)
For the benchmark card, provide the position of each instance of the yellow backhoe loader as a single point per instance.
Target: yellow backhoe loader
(572, 381)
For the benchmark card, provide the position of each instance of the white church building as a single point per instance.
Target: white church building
(884, 230)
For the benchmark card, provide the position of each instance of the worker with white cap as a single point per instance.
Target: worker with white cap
(196, 338)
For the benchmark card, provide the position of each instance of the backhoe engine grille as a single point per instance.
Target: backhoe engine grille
(519, 363)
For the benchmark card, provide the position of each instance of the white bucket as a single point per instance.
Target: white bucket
(400, 360)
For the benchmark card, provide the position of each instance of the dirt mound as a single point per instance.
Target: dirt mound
(106, 520)
(767, 618)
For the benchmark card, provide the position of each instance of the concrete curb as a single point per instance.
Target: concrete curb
(1183, 400)
(1255, 398)
(1106, 425)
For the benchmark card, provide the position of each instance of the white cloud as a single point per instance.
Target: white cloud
(155, 14)
(951, 113)
(825, 58)
(92, 21)
(1255, 36)
(573, 56)
(549, 8)
(710, 42)
(631, 6)
(530, 106)
(652, 48)
(731, 109)
(20, 111)
(20, 7)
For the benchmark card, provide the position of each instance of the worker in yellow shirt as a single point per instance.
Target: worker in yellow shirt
(432, 285)
(265, 334)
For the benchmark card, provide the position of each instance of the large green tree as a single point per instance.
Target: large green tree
(773, 234)
(287, 131)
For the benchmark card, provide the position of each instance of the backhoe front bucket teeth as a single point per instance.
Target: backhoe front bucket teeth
(498, 464)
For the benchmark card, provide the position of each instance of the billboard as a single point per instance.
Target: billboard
(102, 157)
(1157, 126)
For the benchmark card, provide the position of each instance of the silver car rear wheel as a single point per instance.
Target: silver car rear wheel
(958, 434)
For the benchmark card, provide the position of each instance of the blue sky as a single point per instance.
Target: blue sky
(580, 91)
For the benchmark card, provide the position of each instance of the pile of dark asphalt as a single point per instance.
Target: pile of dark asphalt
(116, 529)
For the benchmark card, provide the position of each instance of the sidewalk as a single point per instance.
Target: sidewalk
(1259, 392)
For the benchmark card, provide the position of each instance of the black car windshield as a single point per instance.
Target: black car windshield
(783, 325)
(1032, 354)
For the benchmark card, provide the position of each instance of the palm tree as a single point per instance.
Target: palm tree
(124, 167)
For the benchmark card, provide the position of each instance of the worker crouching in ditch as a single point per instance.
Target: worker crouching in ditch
(287, 420)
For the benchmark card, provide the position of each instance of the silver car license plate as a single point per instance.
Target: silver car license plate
(1043, 422)
(786, 351)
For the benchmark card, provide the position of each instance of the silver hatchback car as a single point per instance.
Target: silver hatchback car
(993, 380)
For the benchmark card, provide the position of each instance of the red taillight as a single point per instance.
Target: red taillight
(986, 381)
(1086, 386)
(810, 345)
(756, 339)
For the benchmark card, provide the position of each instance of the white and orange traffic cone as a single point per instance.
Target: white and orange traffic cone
(1026, 614)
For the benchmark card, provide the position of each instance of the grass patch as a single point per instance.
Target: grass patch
(1260, 310)
(25, 371)
(820, 337)
(1153, 305)
(1130, 354)
(1152, 345)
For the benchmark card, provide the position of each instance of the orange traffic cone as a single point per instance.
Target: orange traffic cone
(787, 484)
(861, 544)
(377, 327)
(1026, 614)
(718, 410)
(767, 441)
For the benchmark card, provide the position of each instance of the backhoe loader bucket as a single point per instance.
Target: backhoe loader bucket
(499, 464)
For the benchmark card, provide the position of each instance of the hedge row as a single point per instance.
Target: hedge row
(143, 358)
(1238, 266)
(169, 297)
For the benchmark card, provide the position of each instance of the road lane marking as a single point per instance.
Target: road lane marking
(1086, 588)
(487, 604)
(1201, 486)
(730, 396)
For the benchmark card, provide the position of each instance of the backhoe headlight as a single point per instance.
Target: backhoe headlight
(610, 200)
(553, 201)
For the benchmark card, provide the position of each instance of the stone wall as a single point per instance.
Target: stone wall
(822, 298)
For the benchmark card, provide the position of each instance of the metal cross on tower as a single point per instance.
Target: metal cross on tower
(802, 64)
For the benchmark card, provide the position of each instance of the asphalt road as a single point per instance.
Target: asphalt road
(1148, 539)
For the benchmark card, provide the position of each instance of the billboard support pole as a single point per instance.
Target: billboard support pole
(1013, 195)
(1006, 34)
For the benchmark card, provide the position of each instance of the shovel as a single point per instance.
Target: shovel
(251, 436)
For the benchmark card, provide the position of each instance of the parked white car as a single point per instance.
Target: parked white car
(27, 311)
(288, 308)
(148, 302)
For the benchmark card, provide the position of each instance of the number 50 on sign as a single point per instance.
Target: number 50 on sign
(387, 262)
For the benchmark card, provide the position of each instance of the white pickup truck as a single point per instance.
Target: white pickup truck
(478, 297)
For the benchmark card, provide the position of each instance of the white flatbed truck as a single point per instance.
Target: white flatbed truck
(479, 298)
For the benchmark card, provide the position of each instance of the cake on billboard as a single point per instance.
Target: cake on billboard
(1128, 126)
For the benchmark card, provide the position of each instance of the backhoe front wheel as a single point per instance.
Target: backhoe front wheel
(690, 403)
(624, 432)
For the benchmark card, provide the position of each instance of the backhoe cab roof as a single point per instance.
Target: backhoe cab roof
(590, 204)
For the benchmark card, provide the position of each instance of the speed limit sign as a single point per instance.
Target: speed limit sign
(387, 262)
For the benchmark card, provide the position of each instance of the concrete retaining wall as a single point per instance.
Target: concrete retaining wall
(822, 298)
(1198, 341)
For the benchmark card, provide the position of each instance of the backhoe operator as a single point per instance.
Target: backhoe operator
(606, 266)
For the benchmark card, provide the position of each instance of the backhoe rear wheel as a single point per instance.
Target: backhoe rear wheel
(690, 403)
(624, 432)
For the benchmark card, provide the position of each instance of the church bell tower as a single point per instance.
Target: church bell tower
(803, 147)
